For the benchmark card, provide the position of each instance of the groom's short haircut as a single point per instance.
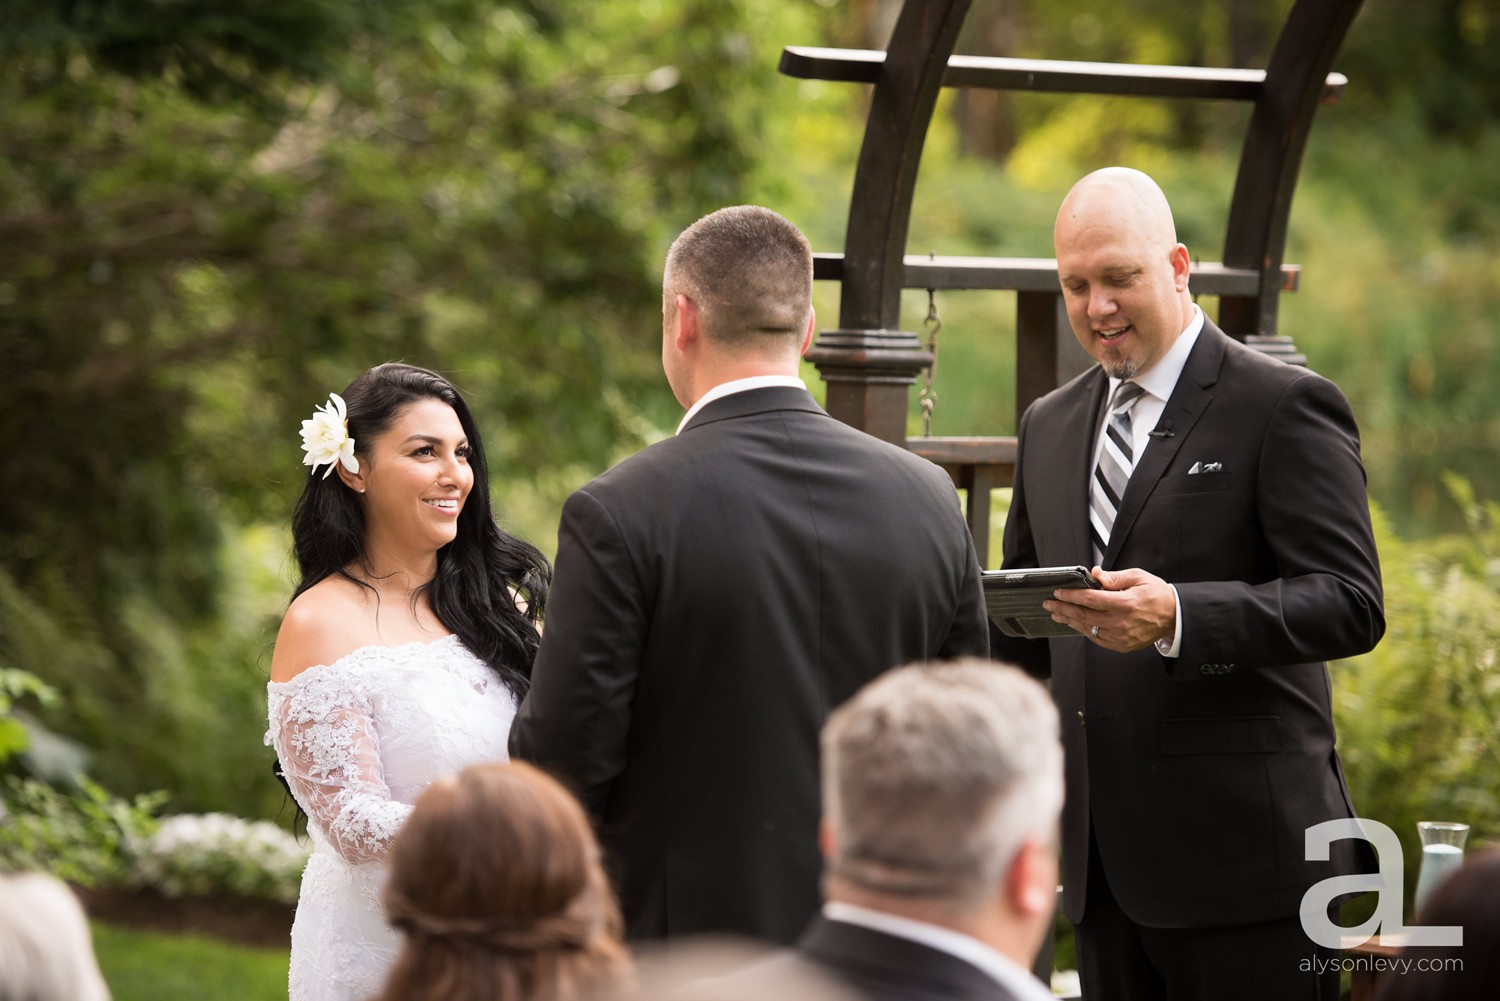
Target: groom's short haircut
(749, 271)
(934, 775)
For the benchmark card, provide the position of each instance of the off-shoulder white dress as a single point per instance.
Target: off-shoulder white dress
(359, 739)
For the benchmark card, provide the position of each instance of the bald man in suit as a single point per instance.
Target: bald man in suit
(1220, 496)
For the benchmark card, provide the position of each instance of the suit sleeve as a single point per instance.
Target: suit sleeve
(969, 635)
(1018, 552)
(575, 719)
(1325, 600)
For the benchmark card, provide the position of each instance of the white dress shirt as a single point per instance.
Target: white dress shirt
(1001, 968)
(724, 389)
(1158, 381)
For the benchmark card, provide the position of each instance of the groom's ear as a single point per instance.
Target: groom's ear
(828, 841)
(689, 322)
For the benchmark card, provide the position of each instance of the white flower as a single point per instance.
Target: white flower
(325, 438)
(219, 853)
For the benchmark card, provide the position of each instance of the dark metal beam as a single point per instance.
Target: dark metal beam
(1256, 235)
(1039, 274)
(1054, 76)
(885, 178)
(869, 361)
(965, 451)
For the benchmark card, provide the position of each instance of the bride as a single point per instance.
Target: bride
(403, 655)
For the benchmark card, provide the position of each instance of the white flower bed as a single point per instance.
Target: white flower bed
(217, 853)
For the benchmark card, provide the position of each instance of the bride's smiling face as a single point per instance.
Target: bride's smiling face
(416, 477)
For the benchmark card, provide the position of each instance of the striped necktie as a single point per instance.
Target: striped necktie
(1116, 460)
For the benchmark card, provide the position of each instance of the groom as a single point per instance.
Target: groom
(718, 593)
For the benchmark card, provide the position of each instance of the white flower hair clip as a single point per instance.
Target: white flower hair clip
(325, 438)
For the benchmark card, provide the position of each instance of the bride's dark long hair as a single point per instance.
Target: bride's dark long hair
(476, 572)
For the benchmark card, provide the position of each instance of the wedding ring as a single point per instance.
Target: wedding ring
(1095, 632)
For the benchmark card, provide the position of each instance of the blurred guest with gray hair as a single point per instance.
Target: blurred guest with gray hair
(942, 788)
(46, 953)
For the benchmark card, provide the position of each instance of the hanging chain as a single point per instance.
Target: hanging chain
(927, 398)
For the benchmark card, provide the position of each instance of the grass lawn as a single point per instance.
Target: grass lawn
(149, 966)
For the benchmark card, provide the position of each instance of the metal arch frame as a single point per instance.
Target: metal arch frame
(868, 361)
(1271, 159)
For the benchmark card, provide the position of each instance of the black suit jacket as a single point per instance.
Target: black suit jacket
(876, 966)
(715, 596)
(1201, 773)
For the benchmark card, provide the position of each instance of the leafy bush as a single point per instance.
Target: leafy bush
(97, 840)
(218, 853)
(13, 685)
(193, 722)
(86, 837)
(1416, 716)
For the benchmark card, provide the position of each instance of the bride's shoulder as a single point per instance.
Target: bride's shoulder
(325, 623)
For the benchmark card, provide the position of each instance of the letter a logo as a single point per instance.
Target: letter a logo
(1386, 884)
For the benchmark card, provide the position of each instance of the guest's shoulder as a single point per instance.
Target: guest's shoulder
(787, 973)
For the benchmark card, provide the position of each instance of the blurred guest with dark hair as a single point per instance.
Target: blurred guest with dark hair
(1468, 899)
(497, 888)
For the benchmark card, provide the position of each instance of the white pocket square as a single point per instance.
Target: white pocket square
(1206, 467)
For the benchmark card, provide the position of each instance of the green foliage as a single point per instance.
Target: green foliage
(214, 50)
(1448, 82)
(16, 684)
(91, 837)
(212, 217)
(147, 966)
(212, 212)
(1416, 717)
(85, 837)
(192, 721)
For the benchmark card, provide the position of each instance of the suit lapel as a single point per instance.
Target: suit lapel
(1190, 398)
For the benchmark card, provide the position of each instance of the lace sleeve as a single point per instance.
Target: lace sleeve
(322, 727)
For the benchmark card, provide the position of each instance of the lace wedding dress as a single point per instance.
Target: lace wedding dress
(358, 740)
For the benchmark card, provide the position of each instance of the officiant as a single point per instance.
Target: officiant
(1220, 496)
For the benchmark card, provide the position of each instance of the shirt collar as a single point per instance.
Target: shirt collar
(1001, 968)
(724, 389)
(1160, 379)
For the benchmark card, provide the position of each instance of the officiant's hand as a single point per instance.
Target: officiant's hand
(1133, 610)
